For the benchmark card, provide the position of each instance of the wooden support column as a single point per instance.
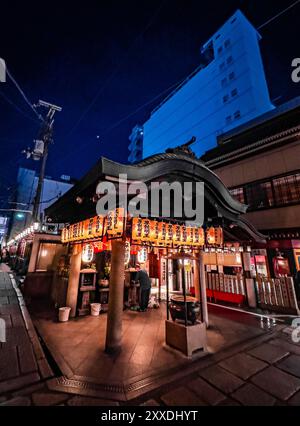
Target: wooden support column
(197, 280)
(203, 288)
(74, 275)
(113, 343)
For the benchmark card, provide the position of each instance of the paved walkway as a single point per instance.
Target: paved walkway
(266, 374)
(263, 371)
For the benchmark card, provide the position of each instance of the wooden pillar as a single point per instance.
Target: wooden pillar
(197, 280)
(74, 275)
(203, 289)
(116, 294)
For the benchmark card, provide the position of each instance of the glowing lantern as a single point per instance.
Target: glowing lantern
(98, 226)
(177, 234)
(219, 236)
(134, 249)
(137, 225)
(187, 236)
(71, 232)
(183, 235)
(115, 222)
(161, 239)
(98, 247)
(127, 253)
(153, 230)
(210, 235)
(146, 228)
(90, 225)
(63, 235)
(119, 221)
(80, 231)
(142, 255)
(87, 253)
(110, 222)
(169, 234)
(85, 229)
(200, 235)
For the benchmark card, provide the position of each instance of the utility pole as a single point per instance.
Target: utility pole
(41, 152)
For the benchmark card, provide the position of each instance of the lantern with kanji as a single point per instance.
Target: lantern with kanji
(210, 236)
(137, 226)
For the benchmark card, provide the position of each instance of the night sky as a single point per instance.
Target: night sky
(101, 61)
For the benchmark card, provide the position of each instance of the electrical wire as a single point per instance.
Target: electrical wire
(23, 95)
(277, 15)
(115, 72)
(6, 98)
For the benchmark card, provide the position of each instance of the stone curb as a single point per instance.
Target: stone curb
(43, 366)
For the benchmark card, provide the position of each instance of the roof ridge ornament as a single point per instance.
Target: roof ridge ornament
(183, 149)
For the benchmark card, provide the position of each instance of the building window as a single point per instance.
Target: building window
(220, 50)
(229, 60)
(259, 195)
(228, 119)
(237, 115)
(225, 99)
(238, 194)
(234, 93)
(227, 43)
(224, 82)
(287, 189)
(222, 66)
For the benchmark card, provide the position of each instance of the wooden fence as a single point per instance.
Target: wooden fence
(228, 288)
(277, 294)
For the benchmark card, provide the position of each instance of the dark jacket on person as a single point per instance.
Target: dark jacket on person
(144, 279)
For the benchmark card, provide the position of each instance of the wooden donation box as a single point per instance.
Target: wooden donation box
(87, 291)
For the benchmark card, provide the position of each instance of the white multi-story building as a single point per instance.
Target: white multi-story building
(229, 88)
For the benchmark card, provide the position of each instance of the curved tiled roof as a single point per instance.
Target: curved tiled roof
(160, 166)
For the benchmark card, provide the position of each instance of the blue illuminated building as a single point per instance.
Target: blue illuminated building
(228, 89)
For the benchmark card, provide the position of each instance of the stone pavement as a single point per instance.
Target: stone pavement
(265, 371)
(267, 374)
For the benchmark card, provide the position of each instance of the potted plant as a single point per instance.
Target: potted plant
(104, 280)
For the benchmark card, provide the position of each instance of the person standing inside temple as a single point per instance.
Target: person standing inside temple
(145, 287)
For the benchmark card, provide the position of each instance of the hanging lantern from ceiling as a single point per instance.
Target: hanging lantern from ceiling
(137, 226)
(127, 252)
(110, 222)
(146, 228)
(98, 232)
(210, 236)
(87, 253)
(177, 234)
(199, 236)
(134, 249)
(219, 236)
(169, 234)
(162, 230)
(153, 231)
(142, 255)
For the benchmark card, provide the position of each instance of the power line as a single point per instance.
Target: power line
(16, 107)
(114, 73)
(277, 15)
(141, 107)
(117, 123)
(23, 95)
